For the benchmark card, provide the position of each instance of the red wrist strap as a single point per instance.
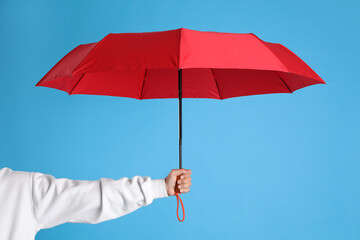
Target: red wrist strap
(177, 208)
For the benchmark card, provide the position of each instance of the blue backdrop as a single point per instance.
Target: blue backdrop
(280, 166)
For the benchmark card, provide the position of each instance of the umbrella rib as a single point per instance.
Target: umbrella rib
(217, 86)
(287, 86)
(142, 88)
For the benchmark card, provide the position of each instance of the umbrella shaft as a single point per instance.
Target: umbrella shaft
(180, 118)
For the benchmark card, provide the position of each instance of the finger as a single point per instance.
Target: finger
(184, 180)
(185, 185)
(185, 190)
(184, 177)
(187, 174)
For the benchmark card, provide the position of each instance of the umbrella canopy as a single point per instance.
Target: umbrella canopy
(214, 65)
(180, 63)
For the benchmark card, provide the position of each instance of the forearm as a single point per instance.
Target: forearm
(123, 196)
(57, 201)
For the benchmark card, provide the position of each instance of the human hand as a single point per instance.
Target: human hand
(184, 182)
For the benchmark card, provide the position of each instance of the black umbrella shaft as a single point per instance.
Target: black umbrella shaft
(180, 118)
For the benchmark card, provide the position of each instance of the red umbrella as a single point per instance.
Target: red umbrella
(180, 63)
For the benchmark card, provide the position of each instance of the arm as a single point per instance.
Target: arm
(57, 201)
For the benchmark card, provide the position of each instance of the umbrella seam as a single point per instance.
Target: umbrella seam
(282, 64)
(63, 59)
(217, 86)
(76, 84)
(180, 48)
(142, 88)
(96, 45)
(287, 86)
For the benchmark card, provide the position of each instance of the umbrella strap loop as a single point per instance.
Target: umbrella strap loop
(178, 199)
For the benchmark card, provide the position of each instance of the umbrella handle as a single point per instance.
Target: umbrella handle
(178, 199)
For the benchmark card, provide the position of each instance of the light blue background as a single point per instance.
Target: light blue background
(283, 166)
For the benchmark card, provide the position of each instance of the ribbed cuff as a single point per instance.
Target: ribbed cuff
(158, 188)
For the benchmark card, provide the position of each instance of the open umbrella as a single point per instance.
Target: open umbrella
(180, 63)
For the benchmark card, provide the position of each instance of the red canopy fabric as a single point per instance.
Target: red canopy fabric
(214, 65)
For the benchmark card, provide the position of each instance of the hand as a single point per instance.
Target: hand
(184, 182)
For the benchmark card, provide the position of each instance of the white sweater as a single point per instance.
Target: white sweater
(32, 201)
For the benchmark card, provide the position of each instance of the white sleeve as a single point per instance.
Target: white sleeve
(57, 201)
